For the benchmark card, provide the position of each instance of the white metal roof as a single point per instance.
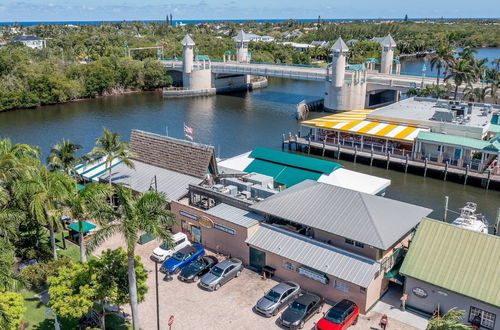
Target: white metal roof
(322, 257)
(356, 181)
(235, 215)
(339, 46)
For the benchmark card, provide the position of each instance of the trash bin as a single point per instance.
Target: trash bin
(269, 271)
(145, 238)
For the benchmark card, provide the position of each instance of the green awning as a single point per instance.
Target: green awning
(394, 274)
(286, 175)
(80, 187)
(86, 226)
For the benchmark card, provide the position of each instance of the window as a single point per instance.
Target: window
(349, 241)
(362, 290)
(341, 286)
(355, 243)
(358, 244)
(288, 266)
(487, 318)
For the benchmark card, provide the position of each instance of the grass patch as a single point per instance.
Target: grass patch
(72, 250)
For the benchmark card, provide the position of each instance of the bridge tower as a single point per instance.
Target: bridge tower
(388, 44)
(242, 41)
(343, 94)
(195, 76)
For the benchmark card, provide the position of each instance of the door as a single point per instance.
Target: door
(196, 234)
(257, 258)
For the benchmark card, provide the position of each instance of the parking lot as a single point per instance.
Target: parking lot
(231, 307)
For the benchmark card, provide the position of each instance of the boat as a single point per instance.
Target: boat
(471, 220)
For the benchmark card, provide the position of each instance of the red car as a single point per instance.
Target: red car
(341, 316)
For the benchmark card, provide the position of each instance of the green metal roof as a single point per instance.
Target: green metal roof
(202, 58)
(455, 259)
(298, 161)
(355, 67)
(86, 226)
(462, 141)
(494, 128)
(283, 174)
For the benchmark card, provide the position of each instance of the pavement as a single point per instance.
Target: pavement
(231, 307)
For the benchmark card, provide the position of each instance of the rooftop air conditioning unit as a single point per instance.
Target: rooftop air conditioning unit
(218, 187)
(247, 194)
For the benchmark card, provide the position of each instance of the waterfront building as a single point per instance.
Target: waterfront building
(30, 41)
(242, 39)
(288, 169)
(298, 47)
(450, 267)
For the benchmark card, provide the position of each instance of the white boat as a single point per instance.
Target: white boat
(471, 220)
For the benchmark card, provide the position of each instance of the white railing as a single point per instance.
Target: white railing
(268, 71)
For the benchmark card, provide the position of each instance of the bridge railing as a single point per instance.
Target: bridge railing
(266, 71)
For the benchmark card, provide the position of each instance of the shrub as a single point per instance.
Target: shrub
(37, 275)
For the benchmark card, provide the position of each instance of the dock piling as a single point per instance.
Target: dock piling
(466, 173)
(445, 216)
(406, 163)
(425, 166)
(297, 143)
(388, 160)
(446, 170)
(283, 142)
(371, 157)
(309, 146)
(355, 153)
(488, 181)
(324, 148)
(338, 151)
(289, 141)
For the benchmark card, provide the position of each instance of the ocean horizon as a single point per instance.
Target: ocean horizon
(33, 23)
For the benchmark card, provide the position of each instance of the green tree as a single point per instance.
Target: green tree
(63, 156)
(11, 310)
(43, 193)
(15, 159)
(136, 214)
(110, 147)
(89, 203)
(461, 72)
(10, 216)
(443, 57)
(9, 280)
(449, 321)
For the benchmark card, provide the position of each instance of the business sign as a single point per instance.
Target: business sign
(224, 229)
(419, 292)
(205, 222)
(188, 215)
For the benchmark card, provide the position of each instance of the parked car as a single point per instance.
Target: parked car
(162, 252)
(277, 297)
(301, 310)
(341, 316)
(221, 273)
(182, 258)
(197, 269)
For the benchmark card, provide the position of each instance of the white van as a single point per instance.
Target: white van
(179, 240)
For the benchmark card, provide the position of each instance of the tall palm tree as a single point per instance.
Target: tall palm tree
(110, 147)
(136, 214)
(14, 158)
(461, 72)
(43, 192)
(467, 53)
(89, 203)
(10, 217)
(442, 58)
(63, 156)
(479, 68)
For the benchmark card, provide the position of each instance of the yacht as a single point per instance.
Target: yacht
(471, 220)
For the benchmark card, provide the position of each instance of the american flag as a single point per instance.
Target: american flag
(188, 132)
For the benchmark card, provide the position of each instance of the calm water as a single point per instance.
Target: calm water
(414, 65)
(232, 123)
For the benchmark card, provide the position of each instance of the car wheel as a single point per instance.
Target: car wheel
(196, 278)
(238, 273)
(217, 287)
(355, 321)
(301, 324)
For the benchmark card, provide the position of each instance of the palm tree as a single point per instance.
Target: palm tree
(442, 58)
(62, 156)
(10, 217)
(452, 320)
(461, 72)
(136, 214)
(110, 147)
(88, 203)
(14, 158)
(496, 63)
(43, 192)
(467, 53)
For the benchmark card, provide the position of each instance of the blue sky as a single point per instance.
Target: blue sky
(67, 10)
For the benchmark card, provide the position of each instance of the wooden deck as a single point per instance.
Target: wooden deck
(405, 164)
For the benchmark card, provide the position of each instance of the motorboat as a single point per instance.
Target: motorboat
(471, 220)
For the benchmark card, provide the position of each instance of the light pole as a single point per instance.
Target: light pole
(157, 298)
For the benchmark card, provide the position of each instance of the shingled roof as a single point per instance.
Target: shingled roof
(181, 156)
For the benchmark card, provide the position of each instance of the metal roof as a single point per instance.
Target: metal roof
(388, 41)
(458, 141)
(187, 41)
(141, 179)
(322, 257)
(235, 215)
(25, 38)
(241, 37)
(339, 46)
(456, 259)
(373, 220)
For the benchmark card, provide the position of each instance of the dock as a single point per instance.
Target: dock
(398, 162)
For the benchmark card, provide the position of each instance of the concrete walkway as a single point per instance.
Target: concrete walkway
(389, 304)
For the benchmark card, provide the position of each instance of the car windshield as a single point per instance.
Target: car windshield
(335, 316)
(217, 271)
(164, 246)
(298, 307)
(179, 256)
(197, 265)
(272, 295)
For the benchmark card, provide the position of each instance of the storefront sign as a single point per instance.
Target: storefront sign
(224, 229)
(312, 274)
(188, 215)
(205, 222)
(419, 292)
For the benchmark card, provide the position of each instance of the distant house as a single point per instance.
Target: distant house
(30, 41)
(450, 267)
(292, 34)
(299, 48)
(321, 44)
(256, 38)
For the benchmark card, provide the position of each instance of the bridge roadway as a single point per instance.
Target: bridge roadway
(397, 82)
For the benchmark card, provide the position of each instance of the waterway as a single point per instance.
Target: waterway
(233, 123)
